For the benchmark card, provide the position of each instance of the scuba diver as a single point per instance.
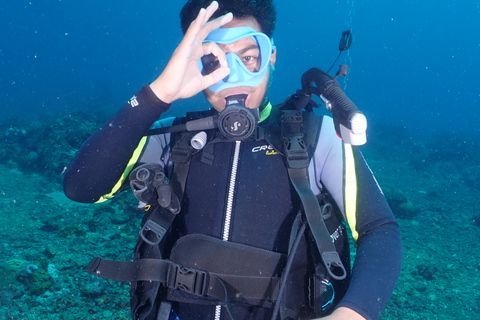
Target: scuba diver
(247, 204)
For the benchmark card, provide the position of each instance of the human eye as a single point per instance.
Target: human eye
(249, 59)
(252, 62)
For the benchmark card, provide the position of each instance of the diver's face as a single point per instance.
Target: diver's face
(248, 51)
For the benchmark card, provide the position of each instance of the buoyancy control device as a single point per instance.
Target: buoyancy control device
(263, 277)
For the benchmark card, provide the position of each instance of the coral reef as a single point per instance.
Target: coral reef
(36, 279)
(401, 206)
(432, 184)
(47, 145)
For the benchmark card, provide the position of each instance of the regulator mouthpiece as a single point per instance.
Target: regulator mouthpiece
(236, 121)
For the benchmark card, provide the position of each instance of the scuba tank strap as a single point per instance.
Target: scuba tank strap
(181, 155)
(314, 216)
(299, 131)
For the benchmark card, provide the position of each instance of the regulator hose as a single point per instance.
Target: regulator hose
(350, 123)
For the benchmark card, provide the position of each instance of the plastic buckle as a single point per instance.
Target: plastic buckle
(295, 148)
(296, 152)
(92, 267)
(293, 119)
(152, 229)
(190, 280)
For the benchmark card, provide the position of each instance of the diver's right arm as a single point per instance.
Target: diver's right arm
(103, 158)
(182, 78)
(102, 162)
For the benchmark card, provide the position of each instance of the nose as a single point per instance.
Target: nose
(234, 63)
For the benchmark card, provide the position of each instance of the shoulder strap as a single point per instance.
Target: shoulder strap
(294, 133)
(306, 126)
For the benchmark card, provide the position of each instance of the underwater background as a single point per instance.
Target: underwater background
(66, 66)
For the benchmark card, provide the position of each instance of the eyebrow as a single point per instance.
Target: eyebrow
(253, 46)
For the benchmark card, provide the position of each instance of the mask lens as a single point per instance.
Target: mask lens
(210, 63)
(252, 57)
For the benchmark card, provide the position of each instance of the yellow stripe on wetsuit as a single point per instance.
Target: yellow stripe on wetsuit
(133, 160)
(350, 190)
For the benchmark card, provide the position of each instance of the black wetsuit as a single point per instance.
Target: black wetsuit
(245, 196)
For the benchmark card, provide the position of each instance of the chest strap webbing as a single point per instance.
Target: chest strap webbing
(299, 132)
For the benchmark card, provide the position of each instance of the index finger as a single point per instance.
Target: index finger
(214, 24)
(201, 27)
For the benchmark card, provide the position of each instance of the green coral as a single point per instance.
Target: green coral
(16, 264)
(41, 282)
(11, 269)
(7, 272)
(33, 276)
(72, 230)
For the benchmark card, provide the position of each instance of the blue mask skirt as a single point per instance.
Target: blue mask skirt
(239, 75)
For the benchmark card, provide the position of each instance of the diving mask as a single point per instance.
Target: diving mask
(240, 73)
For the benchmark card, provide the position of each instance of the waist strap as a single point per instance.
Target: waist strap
(191, 280)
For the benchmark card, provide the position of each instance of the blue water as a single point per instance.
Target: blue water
(412, 64)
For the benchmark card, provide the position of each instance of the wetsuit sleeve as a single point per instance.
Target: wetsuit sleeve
(379, 250)
(345, 174)
(104, 158)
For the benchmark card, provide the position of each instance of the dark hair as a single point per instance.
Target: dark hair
(262, 10)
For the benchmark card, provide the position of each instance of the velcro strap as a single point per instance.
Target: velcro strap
(139, 270)
(257, 288)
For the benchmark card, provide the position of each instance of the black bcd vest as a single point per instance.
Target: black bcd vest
(198, 270)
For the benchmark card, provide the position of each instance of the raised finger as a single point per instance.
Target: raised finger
(210, 10)
(202, 18)
(196, 25)
(214, 24)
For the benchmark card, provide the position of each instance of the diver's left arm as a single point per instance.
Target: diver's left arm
(379, 248)
(376, 269)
